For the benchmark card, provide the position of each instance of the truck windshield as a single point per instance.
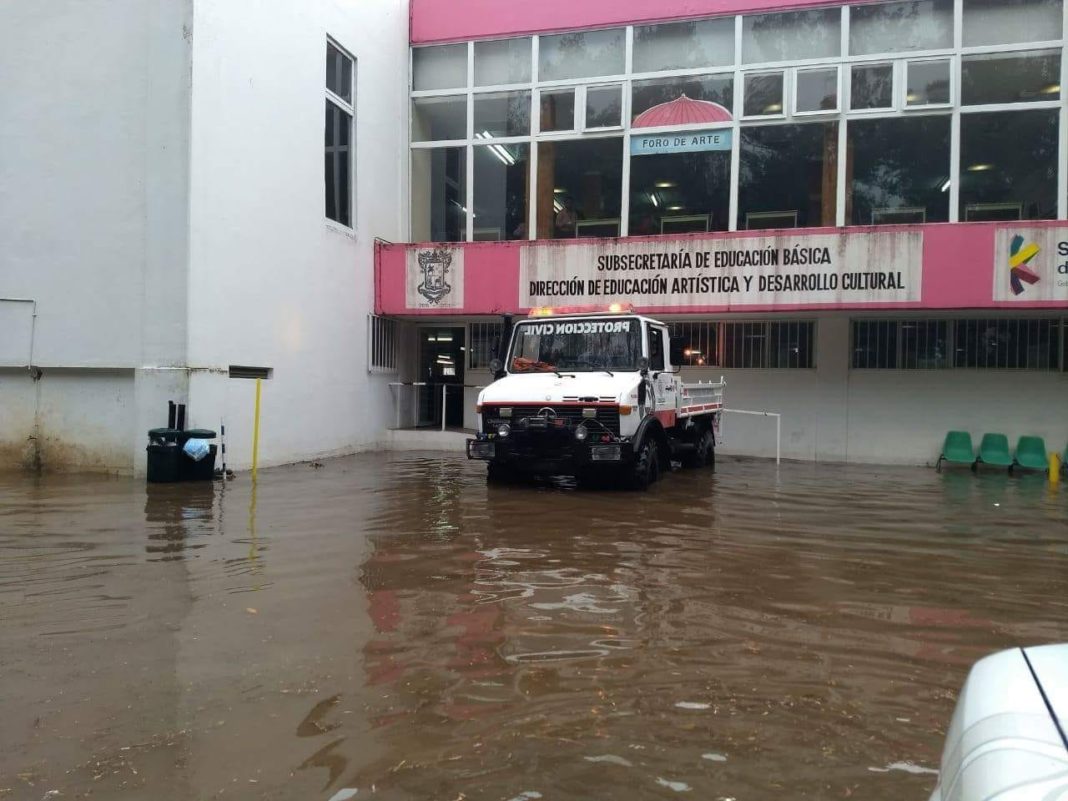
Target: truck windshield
(576, 345)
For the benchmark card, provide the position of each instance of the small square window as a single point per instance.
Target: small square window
(604, 106)
(927, 83)
(557, 110)
(338, 73)
(763, 95)
(871, 86)
(817, 90)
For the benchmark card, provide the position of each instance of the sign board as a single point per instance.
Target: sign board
(1031, 264)
(680, 142)
(783, 270)
(434, 278)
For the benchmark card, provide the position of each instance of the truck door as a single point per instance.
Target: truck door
(663, 381)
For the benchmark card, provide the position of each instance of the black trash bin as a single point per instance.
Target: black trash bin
(163, 462)
(168, 462)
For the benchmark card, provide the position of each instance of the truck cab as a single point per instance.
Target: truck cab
(592, 394)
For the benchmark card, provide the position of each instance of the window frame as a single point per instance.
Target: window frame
(822, 112)
(349, 108)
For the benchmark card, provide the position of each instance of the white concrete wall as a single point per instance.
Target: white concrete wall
(272, 282)
(94, 122)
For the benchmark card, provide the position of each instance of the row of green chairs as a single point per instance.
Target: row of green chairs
(994, 450)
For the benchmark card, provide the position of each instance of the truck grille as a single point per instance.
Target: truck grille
(608, 416)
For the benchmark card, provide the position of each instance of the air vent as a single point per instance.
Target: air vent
(244, 371)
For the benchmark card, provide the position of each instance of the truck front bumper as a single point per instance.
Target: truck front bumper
(533, 454)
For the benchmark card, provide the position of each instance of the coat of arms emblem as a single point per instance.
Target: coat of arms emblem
(435, 265)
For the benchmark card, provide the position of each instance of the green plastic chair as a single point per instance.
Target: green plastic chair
(1031, 453)
(994, 450)
(957, 449)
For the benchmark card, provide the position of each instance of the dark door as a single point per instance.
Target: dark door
(441, 362)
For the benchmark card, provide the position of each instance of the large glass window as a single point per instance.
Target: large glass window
(788, 175)
(604, 106)
(988, 22)
(502, 61)
(927, 83)
(502, 114)
(1008, 165)
(439, 67)
(438, 118)
(900, 27)
(683, 45)
(439, 191)
(871, 86)
(817, 90)
(718, 89)
(501, 191)
(791, 36)
(339, 131)
(763, 95)
(898, 170)
(900, 344)
(557, 110)
(675, 193)
(579, 188)
(582, 54)
(1005, 344)
(1010, 78)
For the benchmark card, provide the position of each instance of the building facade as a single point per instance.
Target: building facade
(853, 212)
(168, 228)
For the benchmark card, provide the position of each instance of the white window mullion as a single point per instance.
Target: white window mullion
(1062, 132)
(624, 111)
(736, 131)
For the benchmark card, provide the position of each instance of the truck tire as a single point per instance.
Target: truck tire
(703, 453)
(500, 474)
(646, 467)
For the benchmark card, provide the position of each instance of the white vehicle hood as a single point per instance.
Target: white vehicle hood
(568, 387)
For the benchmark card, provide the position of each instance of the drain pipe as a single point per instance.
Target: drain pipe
(35, 374)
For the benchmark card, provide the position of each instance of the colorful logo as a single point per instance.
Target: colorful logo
(1020, 256)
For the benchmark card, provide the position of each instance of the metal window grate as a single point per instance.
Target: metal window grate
(777, 344)
(790, 343)
(484, 345)
(245, 371)
(694, 344)
(382, 344)
(1006, 344)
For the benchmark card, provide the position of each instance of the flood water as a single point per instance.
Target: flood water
(390, 624)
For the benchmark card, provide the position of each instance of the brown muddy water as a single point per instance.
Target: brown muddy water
(391, 625)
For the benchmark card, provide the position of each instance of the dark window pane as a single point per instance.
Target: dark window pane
(1002, 78)
(763, 95)
(745, 345)
(790, 344)
(337, 161)
(579, 185)
(694, 344)
(439, 192)
(792, 35)
(501, 174)
(604, 106)
(875, 344)
(558, 110)
(788, 176)
(900, 27)
(900, 170)
(1008, 163)
(502, 61)
(1006, 344)
(923, 344)
(502, 114)
(679, 45)
(718, 89)
(872, 86)
(928, 83)
(677, 193)
(583, 54)
(338, 73)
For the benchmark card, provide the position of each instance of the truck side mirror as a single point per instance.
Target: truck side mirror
(643, 365)
(497, 368)
(641, 393)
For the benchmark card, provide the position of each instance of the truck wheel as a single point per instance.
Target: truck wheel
(646, 468)
(499, 474)
(703, 453)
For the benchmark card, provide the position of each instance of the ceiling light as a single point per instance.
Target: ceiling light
(665, 184)
(676, 208)
(980, 167)
(912, 97)
(559, 190)
(654, 198)
(945, 185)
(774, 108)
(1052, 89)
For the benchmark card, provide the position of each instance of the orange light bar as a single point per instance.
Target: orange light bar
(548, 311)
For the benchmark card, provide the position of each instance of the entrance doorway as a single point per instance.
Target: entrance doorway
(441, 363)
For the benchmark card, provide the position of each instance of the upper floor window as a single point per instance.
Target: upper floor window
(339, 131)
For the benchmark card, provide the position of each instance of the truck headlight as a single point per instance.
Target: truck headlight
(581, 433)
(503, 430)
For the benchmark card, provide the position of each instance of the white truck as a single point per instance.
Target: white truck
(593, 395)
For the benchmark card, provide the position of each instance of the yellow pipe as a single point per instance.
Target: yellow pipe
(256, 429)
(1054, 468)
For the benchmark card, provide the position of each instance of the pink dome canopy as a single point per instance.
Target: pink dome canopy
(682, 111)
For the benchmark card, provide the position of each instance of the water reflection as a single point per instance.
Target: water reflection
(178, 515)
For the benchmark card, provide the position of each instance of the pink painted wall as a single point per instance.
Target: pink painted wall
(450, 20)
(958, 273)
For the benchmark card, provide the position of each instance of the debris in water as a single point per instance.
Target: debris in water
(612, 758)
(692, 705)
(907, 767)
(678, 787)
(344, 794)
(714, 757)
(252, 611)
(525, 795)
